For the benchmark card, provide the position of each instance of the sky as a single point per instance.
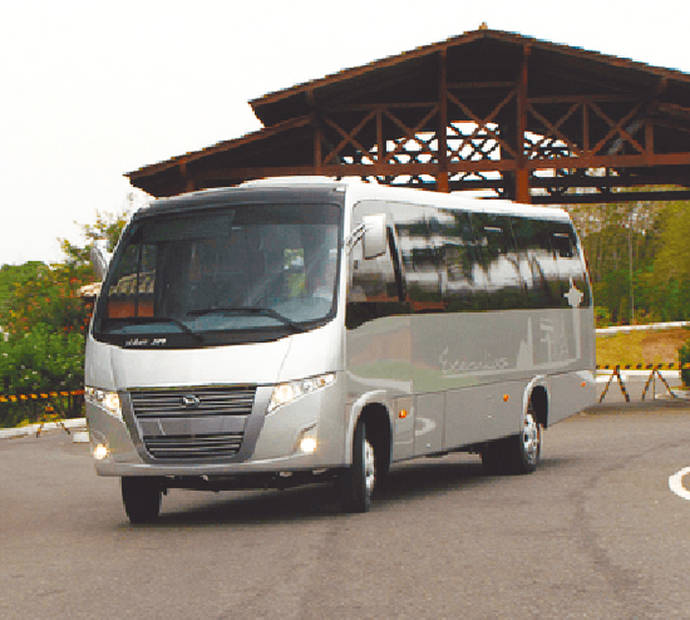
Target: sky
(91, 90)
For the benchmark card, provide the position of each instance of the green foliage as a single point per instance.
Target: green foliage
(602, 316)
(669, 278)
(684, 358)
(108, 227)
(51, 298)
(638, 256)
(40, 361)
(12, 277)
(43, 319)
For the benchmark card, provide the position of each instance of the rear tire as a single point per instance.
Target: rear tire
(517, 454)
(141, 497)
(358, 483)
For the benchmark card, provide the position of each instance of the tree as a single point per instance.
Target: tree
(44, 319)
(11, 277)
(669, 278)
(638, 259)
(51, 299)
(107, 227)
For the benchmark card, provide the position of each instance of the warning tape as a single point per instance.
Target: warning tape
(661, 366)
(16, 398)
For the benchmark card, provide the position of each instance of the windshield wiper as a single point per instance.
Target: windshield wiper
(168, 319)
(269, 312)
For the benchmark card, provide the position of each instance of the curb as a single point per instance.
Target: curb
(682, 402)
(614, 329)
(78, 424)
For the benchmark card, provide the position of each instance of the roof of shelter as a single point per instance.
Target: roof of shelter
(563, 68)
(479, 64)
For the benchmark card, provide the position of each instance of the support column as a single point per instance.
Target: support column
(316, 128)
(188, 181)
(442, 126)
(522, 172)
(318, 155)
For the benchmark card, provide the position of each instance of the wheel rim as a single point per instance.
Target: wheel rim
(530, 438)
(369, 467)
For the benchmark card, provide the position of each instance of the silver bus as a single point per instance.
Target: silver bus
(285, 332)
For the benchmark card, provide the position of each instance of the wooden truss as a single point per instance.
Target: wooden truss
(497, 135)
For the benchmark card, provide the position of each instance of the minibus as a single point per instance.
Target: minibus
(297, 330)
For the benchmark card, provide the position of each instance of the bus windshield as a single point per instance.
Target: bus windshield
(250, 272)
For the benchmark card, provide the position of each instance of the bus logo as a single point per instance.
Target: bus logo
(189, 401)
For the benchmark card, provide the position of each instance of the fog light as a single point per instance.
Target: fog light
(308, 445)
(100, 452)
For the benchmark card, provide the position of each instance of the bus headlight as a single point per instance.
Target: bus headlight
(285, 393)
(100, 451)
(104, 399)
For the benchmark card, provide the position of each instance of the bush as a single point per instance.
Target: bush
(602, 316)
(40, 360)
(684, 358)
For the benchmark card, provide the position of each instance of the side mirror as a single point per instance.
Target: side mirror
(375, 235)
(99, 260)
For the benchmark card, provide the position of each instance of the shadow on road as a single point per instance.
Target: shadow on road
(418, 479)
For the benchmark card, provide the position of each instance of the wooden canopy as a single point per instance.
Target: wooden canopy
(531, 120)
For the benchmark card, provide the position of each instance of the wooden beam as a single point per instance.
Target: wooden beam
(610, 197)
(234, 175)
(442, 124)
(522, 193)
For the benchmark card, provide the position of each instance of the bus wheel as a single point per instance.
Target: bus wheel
(358, 483)
(141, 498)
(524, 449)
(517, 454)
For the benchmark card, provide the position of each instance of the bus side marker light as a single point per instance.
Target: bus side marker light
(506, 398)
(583, 384)
(402, 414)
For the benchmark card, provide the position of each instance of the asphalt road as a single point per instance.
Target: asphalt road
(594, 533)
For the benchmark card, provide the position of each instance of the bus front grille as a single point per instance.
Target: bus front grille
(192, 401)
(184, 424)
(179, 447)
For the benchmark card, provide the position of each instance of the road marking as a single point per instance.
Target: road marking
(675, 483)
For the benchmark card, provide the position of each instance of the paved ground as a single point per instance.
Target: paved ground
(594, 533)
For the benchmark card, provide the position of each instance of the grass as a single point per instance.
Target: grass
(641, 347)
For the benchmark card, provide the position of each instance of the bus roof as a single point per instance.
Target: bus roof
(356, 190)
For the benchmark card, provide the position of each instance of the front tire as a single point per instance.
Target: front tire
(358, 483)
(141, 498)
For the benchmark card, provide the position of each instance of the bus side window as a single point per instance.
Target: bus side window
(499, 258)
(537, 262)
(373, 280)
(570, 267)
(464, 288)
(421, 255)
(375, 287)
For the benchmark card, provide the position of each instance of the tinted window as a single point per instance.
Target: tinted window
(420, 244)
(376, 285)
(454, 260)
(499, 260)
(570, 268)
(464, 282)
(537, 262)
